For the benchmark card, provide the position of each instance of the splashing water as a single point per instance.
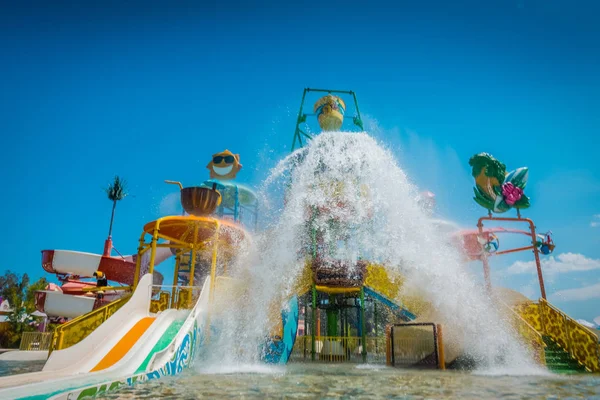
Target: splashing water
(361, 205)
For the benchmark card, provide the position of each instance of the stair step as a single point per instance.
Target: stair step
(558, 357)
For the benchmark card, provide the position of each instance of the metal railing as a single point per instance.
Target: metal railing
(32, 341)
(168, 296)
(334, 349)
(579, 341)
(79, 328)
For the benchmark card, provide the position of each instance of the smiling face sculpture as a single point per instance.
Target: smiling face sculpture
(224, 165)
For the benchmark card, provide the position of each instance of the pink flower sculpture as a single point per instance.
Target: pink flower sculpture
(511, 193)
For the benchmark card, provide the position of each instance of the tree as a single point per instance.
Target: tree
(21, 297)
(116, 191)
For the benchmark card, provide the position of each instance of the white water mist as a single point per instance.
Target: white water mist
(356, 183)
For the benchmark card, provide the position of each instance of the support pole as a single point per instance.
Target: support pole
(175, 277)
(376, 328)
(193, 259)
(305, 326)
(314, 320)
(388, 345)
(538, 264)
(107, 247)
(362, 324)
(332, 320)
(153, 249)
(299, 120)
(138, 263)
(440, 344)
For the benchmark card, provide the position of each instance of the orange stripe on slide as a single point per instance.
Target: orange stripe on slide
(125, 344)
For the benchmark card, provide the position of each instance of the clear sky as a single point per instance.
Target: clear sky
(151, 90)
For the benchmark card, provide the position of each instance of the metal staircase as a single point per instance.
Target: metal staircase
(560, 361)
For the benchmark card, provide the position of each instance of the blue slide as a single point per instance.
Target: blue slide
(399, 310)
(278, 350)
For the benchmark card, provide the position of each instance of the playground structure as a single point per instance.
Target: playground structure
(154, 330)
(562, 343)
(345, 306)
(150, 330)
(345, 301)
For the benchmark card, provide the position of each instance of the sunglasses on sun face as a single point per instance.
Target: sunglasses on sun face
(218, 159)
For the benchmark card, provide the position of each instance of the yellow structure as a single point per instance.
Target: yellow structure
(579, 341)
(188, 234)
(330, 111)
(224, 165)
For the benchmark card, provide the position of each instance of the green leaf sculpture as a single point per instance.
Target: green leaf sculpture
(496, 190)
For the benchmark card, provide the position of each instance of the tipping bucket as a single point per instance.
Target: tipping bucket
(330, 112)
(200, 201)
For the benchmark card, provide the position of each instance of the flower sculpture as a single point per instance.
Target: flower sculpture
(495, 189)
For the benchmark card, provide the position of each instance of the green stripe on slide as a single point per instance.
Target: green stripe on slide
(164, 341)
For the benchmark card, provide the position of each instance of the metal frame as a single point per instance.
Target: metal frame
(533, 247)
(299, 133)
(437, 344)
(182, 245)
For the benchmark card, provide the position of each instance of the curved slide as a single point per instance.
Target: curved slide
(72, 302)
(133, 345)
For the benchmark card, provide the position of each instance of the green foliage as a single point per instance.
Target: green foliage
(493, 167)
(20, 294)
(522, 203)
(117, 190)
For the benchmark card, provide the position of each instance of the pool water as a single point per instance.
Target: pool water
(352, 381)
(20, 367)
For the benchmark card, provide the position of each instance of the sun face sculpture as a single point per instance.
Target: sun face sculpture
(224, 165)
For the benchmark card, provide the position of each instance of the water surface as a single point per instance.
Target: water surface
(351, 381)
(20, 367)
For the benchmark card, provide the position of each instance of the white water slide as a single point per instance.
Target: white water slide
(76, 263)
(132, 345)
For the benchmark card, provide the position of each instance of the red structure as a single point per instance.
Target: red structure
(533, 247)
(499, 191)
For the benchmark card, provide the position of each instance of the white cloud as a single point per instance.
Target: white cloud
(586, 323)
(597, 320)
(595, 221)
(578, 294)
(564, 262)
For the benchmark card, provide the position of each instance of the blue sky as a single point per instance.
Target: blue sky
(90, 91)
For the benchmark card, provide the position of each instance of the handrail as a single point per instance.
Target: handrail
(74, 331)
(585, 328)
(579, 341)
(106, 288)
